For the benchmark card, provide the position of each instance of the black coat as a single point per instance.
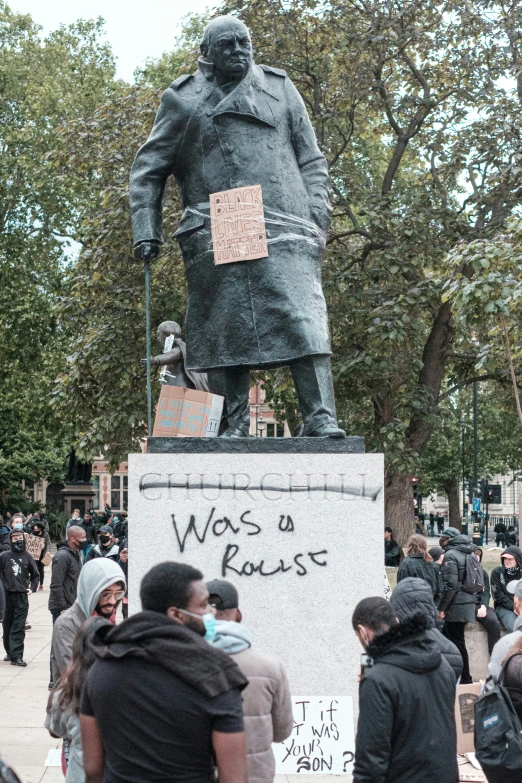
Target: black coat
(415, 566)
(257, 313)
(413, 596)
(65, 573)
(458, 606)
(500, 579)
(392, 553)
(406, 730)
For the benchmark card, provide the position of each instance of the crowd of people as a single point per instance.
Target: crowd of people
(113, 684)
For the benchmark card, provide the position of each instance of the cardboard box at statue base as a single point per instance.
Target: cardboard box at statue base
(187, 412)
(300, 535)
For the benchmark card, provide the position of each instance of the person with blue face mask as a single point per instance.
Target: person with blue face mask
(170, 702)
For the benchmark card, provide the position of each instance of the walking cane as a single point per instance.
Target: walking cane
(147, 338)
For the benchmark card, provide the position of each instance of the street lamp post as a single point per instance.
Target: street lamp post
(463, 431)
(261, 426)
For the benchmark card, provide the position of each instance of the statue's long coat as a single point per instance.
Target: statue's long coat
(264, 312)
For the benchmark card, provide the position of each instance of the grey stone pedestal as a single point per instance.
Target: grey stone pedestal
(298, 532)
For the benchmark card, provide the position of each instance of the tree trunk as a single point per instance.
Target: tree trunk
(398, 507)
(451, 488)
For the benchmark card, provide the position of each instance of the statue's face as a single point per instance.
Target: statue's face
(230, 50)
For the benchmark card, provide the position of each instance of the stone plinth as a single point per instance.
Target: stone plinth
(299, 534)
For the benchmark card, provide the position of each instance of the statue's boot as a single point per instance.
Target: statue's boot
(233, 383)
(314, 385)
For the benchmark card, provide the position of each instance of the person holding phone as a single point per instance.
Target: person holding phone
(401, 665)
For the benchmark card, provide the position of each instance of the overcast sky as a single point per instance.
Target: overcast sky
(136, 29)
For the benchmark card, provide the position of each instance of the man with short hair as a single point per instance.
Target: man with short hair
(507, 642)
(169, 702)
(406, 695)
(101, 587)
(19, 576)
(74, 520)
(392, 555)
(509, 571)
(267, 703)
(105, 546)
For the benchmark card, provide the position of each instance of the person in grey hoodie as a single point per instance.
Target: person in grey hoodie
(413, 596)
(63, 716)
(267, 704)
(101, 587)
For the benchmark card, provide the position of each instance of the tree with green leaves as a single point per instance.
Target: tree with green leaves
(44, 83)
(416, 107)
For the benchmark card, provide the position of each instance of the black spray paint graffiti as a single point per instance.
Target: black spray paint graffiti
(231, 561)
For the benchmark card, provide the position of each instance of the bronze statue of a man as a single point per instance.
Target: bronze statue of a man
(231, 124)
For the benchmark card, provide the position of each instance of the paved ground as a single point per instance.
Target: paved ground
(24, 742)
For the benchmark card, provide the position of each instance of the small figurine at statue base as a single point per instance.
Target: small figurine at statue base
(173, 360)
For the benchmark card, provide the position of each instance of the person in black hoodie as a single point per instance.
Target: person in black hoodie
(456, 606)
(19, 576)
(405, 698)
(486, 615)
(413, 596)
(510, 570)
(155, 659)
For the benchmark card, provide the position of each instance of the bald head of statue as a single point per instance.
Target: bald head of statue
(227, 45)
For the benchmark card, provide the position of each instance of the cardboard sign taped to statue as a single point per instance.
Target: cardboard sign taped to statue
(187, 413)
(237, 224)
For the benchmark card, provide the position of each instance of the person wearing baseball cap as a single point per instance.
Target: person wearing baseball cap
(267, 704)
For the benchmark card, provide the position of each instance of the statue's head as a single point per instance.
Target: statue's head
(226, 44)
(167, 328)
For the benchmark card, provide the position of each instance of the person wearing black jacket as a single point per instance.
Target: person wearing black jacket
(456, 606)
(501, 530)
(105, 546)
(510, 570)
(419, 564)
(66, 569)
(19, 576)
(123, 562)
(392, 555)
(413, 596)
(91, 533)
(486, 615)
(405, 697)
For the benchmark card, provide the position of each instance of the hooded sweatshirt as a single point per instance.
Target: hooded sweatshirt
(500, 577)
(406, 731)
(413, 596)
(18, 571)
(458, 606)
(95, 577)
(154, 638)
(267, 703)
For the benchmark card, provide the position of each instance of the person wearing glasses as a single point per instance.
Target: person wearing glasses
(101, 588)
